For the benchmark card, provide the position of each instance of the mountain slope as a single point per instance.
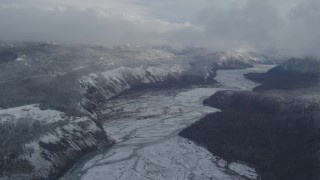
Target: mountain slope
(290, 74)
(41, 144)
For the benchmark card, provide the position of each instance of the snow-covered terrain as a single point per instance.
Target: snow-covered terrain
(62, 77)
(52, 97)
(45, 141)
(29, 112)
(240, 55)
(111, 83)
(146, 124)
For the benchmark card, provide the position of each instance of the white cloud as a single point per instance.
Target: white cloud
(107, 22)
(290, 27)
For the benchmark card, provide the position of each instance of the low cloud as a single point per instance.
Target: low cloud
(79, 26)
(284, 27)
(264, 26)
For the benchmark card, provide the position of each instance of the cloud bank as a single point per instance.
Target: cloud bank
(287, 27)
(264, 26)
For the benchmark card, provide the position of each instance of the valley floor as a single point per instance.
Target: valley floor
(146, 125)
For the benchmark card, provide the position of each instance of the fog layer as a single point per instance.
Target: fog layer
(284, 27)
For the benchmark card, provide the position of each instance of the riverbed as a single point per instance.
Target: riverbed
(145, 125)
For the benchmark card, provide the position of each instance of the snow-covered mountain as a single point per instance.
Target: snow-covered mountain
(49, 94)
(240, 56)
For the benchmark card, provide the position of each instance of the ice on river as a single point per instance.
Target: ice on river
(146, 126)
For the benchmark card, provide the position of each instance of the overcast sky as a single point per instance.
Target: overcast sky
(288, 27)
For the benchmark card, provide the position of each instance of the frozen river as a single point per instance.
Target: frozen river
(145, 126)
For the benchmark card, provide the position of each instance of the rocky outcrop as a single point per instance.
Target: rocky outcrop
(277, 135)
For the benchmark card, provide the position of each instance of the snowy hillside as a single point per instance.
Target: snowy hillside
(43, 143)
(240, 56)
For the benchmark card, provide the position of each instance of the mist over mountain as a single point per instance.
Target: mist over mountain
(289, 28)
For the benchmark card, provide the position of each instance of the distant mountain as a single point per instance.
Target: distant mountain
(290, 74)
(240, 58)
(303, 67)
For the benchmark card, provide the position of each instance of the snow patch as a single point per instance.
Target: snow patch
(243, 170)
(31, 112)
